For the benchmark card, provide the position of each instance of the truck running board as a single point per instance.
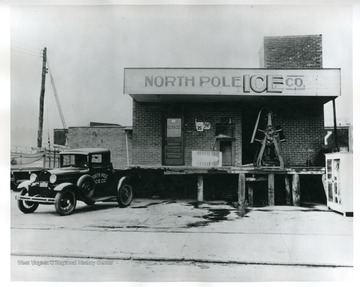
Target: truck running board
(104, 198)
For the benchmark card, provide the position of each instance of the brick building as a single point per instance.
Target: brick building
(179, 114)
(116, 138)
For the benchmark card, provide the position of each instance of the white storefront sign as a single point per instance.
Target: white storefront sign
(203, 158)
(247, 82)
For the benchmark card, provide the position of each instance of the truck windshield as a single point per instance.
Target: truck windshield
(77, 160)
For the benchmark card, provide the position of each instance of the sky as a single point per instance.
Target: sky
(89, 47)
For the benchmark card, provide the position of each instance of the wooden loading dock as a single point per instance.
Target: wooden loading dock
(247, 176)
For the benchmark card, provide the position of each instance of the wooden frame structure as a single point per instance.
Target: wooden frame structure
(247, 176)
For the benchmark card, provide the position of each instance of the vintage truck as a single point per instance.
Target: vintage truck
(84, 174)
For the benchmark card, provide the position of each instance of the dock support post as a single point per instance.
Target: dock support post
(296, 189)
(250, 190)
(288, 189)
(271, 189)
(241, 194)
(200, 188)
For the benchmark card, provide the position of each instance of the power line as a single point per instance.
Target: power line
(56, 97)
(26, 52)
(26, 47)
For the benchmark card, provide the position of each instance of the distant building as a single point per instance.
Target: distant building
(116, 138)
(60, 136)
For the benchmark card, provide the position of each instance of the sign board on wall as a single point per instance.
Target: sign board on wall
(238, 82)
(204, 158)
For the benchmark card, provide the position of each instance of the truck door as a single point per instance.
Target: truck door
(101, 172)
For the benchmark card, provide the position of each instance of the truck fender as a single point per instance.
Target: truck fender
(25, 184)
(121, 182)
(62, 186)
(88, 190)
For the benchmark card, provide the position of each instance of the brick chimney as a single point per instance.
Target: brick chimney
(291, 52)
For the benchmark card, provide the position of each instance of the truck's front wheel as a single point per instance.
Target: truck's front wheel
(125, 195)
(26, 206)
(65, 202)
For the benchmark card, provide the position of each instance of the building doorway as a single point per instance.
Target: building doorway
(226, 149)
(173, 147)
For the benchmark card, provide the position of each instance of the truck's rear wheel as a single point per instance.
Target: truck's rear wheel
(65, 202)
(125, 195)
(26, 206)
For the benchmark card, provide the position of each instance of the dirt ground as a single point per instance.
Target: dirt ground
(306, 243)
(184, 215)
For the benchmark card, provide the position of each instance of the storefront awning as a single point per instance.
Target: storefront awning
(198, 85)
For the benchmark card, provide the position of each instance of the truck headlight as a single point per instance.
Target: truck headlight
(52, 178)
(33, 177)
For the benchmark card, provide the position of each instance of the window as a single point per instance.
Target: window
(173, 128)
(224, 130)
(96, 159)
(78, 160)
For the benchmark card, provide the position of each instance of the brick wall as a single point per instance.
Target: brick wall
(205, 140)
(112, 138)
(292, 52)
(302, 122)
(147, 134)
(148, 129)
(303, 127)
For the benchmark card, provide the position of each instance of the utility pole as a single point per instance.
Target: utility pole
(42, 95)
